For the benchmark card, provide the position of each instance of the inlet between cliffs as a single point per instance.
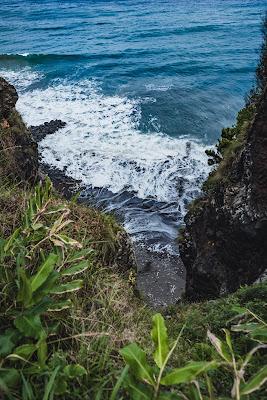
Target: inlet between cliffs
(144, 89)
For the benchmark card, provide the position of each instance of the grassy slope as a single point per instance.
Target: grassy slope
(106, 314)
(109, 315)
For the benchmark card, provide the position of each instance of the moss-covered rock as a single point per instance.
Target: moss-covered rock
(18, 151)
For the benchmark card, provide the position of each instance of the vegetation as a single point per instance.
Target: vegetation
(52, 342)
(233, 139)
(195, 379)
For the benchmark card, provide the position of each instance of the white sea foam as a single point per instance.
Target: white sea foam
(102, 145)
(22, 78)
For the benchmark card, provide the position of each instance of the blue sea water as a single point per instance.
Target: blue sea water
(144, 87)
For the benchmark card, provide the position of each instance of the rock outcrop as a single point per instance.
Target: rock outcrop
(18, 151)
(224, 244)
(8, 99)
(39, 132)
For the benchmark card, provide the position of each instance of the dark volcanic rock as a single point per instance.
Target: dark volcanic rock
(18, 151)
(225, 241)
(39, 132)
(8, 98)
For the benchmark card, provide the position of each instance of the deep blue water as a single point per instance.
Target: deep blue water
(144, 86)
(203, 51)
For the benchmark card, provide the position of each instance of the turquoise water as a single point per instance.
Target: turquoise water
(144, 87)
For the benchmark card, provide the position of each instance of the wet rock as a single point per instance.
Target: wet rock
(39, 132)
(225, 241)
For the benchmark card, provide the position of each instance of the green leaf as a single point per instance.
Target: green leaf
(61, 386)
(260, 334)
(42, 352)
(248, 327)
(11, 240)
(119, 383)
(220, 347)
(68, 241)
(29, 325)
(7, 342)
(25, 350)
(229, 341)
(37, 226)
(67, 287)
(50, 384)
(255, 382)
(135, 357)
(25, 289)
(27, 392)
(9, 377)
(45, 288)
(76, 269)
(160, 338)
(74, 371)
(44, 271)
(138, 391)
(187, 373)
(60, 305)
(80, 255)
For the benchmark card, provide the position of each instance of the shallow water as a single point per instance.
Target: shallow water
(144, 88)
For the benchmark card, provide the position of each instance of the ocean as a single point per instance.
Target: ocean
(144, 87)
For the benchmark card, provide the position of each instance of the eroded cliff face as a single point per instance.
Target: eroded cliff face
(224, 244)
(18, 151)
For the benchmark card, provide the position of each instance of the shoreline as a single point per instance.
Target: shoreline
(160, 275)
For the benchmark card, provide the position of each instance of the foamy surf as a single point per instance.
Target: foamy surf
(102, 146)
(147, 179)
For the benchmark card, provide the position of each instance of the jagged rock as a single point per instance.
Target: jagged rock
(39, 132)
(8, 98)
(18, 151)
(225, 241)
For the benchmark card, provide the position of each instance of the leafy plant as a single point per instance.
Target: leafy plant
(145, 381)
(151, 382)
(37, 266)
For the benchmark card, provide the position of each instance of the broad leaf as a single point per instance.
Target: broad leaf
(42, 351)
(69, 241)
(135, 357)
(220, 347)
(255, 382)
(160, 338)
(61, 386)
(138, 391)
(44, 271)
(187, 373)
(74, 371)
(9, 377)
(67, 287)
(76, 269)
(260, 334)
(25, 289)
(7, 342)
(60, 305)
(29, 325)
(248, 327)
(25, 351)
(45, 288)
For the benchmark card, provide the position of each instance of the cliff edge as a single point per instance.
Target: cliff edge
(224, 244)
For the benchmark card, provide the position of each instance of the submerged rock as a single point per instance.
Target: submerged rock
(224, 244)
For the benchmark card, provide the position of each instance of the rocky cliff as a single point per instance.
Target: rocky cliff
(18, 151)
(224, 244)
